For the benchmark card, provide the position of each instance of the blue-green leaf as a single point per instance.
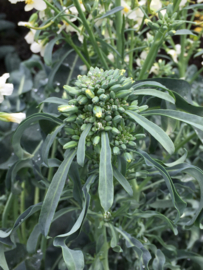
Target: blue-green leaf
(49, 49)
(3, 262)
(184, 32)
(178, 203)
(155, 93)
(81, 145)
(106, 192)
(33, 239)
(121, 179)
(77, 187)
(25, 124)
(159, 261)
(154, 130)
(54, 192)
(191, 119)
(110, 12)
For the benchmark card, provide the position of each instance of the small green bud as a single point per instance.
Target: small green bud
(116, 143)
(133, 107)
(71, 90)
(121, 109)
(108, 128)
(95, 100)
(89, 107)
(89, 93)
(116, 150)
(108, 118)
(114, 108)
(115, 88)
(171, 32)
(73, 102)
(140, 136)
(123, 146)
(68, 108)
(128, 157)
(83, 100)
(169, 10)
(100, 91)
(132, 127)
(117, 119)
(123, 93)
(112, 94)
(75, 137)
(69, 131)
(135, 103)
(71, 144)
(103, 97)
(83, 127)
(143, 108)
(96, 140)
(132, 144)
(97, 111)
(115, 131)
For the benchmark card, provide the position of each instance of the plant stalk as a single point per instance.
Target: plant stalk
(118, 31)
(22, 209)
(6, 210)
(105, 250)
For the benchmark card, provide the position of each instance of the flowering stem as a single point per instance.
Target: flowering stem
(42, 27)
(91, 35)
(118, 31)
(105, 250)
(196, 75)
(159, 37)
(176, 4)
(182, 63)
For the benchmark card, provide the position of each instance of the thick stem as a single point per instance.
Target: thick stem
(158, 40)
(53, 152)
(105, 249)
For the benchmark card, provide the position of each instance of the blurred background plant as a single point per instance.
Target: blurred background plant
(149, 39)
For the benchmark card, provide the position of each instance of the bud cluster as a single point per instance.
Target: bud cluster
(100, 98)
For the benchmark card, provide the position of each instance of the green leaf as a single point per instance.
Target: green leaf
(184, 32)
(149, 83)
(121, 179)
(195, 172)
(200, 6)
(81, 145)
(54, 192)
(178, 203)
(183, 254)
(5, 237)
(110, 12)
(155, 93)
(154, 130)
(191, 119)
(25, 124)
(32, 241)
(106, 190)
(114, 238)
(198, 53)
(49, 49)
(4, 264)
(178, 161)
(56, 67)
(138, 247)
(74, 259)
(48, 143)
(77, 187)
(159, 261)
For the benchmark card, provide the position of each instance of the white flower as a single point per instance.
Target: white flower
(111, 57)
(37, 4)
(12, 117)
(6, 89)
(174, 53)
(38, 47)
(182, 3)
(156, 5)
(15, 1)
(126, 58)
(69, 28)
(31, 34)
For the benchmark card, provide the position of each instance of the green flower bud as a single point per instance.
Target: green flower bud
(103, 97)
(108, 118)
(108, 128)
(128, 157)
(83, 100)
(95, 100)
(116, 143)
(123, 93)
(68, 108)
(115, 88)
(71, 90)
(116, 150)
(169, 10)
(71, 144)
(88, 144)
(140, 136)
(69, 131)
(132, 144)
(97, 111)
(171, 33)
(115, 131)
(83, 127)
(72, 102)
(121, 109)
(133, 107)
(114, 108)
(75, 137)
(143, 108)
(89, 93)
(100, 91)
(112, 94)
(132, 127)
(89, 107)
(96, 140)
(123, 146)
(117, 119)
